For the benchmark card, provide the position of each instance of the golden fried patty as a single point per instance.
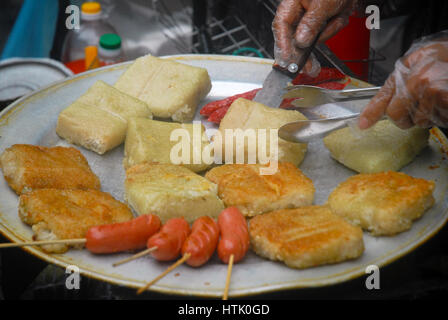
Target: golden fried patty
(243, 186)
(68, 214)
(305, 237)
(27, 167)
(383, 203)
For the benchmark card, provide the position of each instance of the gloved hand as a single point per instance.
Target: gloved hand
(416, 93)
(298, 22)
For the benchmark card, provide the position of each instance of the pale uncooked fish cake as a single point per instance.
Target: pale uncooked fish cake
(156, 141)
(246, 114)
(171, 191)
(171, 89)
(243, 186)
(383, 203)
(27, 167)
(68, 214)
(305, 237)
(381, 148)
(98, 119)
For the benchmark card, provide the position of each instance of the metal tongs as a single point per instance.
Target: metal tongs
(316, 98)
(306, 130)
(311, 96)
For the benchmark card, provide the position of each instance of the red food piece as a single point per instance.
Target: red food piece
(217, 115)
(287, 103)
(234, 235)
(202, 241)
(334, 85)
(213, 106)
(326, 75)
(169, 239)
(117, 237)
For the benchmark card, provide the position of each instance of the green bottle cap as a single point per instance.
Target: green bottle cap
(110, 41)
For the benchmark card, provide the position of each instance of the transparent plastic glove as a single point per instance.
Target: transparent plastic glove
(416, 93)
(298, 22)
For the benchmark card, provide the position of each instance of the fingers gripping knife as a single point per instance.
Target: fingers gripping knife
(274, 86)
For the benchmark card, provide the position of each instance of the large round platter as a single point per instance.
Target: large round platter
(32, 120)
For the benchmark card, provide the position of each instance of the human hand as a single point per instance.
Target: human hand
(298, 22)
(416, 93)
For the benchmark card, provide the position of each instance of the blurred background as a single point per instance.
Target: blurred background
(37, 29)
(31, 28)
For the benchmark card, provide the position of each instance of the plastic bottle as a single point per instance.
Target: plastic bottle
(92, 27)
(109, 50)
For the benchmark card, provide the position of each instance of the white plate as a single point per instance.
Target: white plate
(32, 120)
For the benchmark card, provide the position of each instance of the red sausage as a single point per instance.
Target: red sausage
(202, 241)
(210, 107)
(129, 235)
(169, 239)
(234, 235)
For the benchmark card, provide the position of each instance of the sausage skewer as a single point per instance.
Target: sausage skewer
(168, 270)
(135, 256)
(110, 238)
(229, 274)
(197, 249)
(234, 242)
(42, 243)
(166, 244)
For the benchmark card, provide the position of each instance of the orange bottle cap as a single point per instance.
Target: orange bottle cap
(91, 7)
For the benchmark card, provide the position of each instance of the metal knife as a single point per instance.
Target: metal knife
(277, 80)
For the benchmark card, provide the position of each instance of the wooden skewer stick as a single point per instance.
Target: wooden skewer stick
(185, 257)
(229, 273)
(135, 256)
(41, 243)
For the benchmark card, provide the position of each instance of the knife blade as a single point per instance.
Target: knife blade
(273, 88)
(277, 80)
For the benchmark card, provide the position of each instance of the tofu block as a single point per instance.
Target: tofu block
(149, 141)
(242, 186)
(171, 89)
(171, 191)
(98, 119)
(246, 114)
(28, 167)
(381, 148)
(383, 203)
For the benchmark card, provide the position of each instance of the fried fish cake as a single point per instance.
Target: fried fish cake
(68, 214)
(383, 203)
(28, 167)
(242, 186)
(305, 237)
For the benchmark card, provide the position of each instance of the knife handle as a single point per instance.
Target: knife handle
(306, 52)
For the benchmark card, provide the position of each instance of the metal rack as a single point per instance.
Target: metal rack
(220, 35)
(235, 31)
